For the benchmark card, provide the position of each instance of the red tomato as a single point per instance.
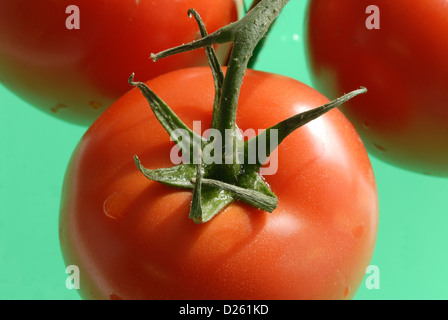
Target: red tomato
(74, 74)
(132, 237)
(403, 119)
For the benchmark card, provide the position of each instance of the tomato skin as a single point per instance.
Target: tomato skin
(132, 238)
(75, 74)
(403, 118)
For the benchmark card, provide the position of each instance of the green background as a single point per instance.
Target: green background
(411, 251)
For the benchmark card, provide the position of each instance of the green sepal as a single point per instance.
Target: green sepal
(178, 176)
(180, 133)
(249, 196)
(284, 128)
(252, 189)
(254, 181)
(212, 201)
(207, 202)
(196, 203)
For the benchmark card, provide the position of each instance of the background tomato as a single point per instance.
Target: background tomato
(74, 74)
(132, 238)
(403, 120)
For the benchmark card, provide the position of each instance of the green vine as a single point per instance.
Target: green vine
(222, 182)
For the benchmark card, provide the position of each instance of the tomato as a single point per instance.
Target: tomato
(403, 119)
(74, 74)
(132, 238)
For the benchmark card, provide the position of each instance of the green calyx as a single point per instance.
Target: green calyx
(218, 179)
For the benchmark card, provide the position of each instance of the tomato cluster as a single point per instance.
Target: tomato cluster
(129, 231)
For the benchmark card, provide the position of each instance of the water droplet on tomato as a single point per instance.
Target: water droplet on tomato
(114, 206)
(347, 291)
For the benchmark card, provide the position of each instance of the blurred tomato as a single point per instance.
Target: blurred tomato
(404, 117)
(74, 74)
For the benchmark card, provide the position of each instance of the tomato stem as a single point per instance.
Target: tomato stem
(218, 184)
(215, 66)
(260, 44)
(247, 33)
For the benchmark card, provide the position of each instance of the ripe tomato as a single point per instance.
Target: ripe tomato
(74, 74)
(403, 120)
(132, 238)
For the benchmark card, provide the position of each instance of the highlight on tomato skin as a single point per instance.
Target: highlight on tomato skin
(74, 74)
(132, 238)
(398, 51)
